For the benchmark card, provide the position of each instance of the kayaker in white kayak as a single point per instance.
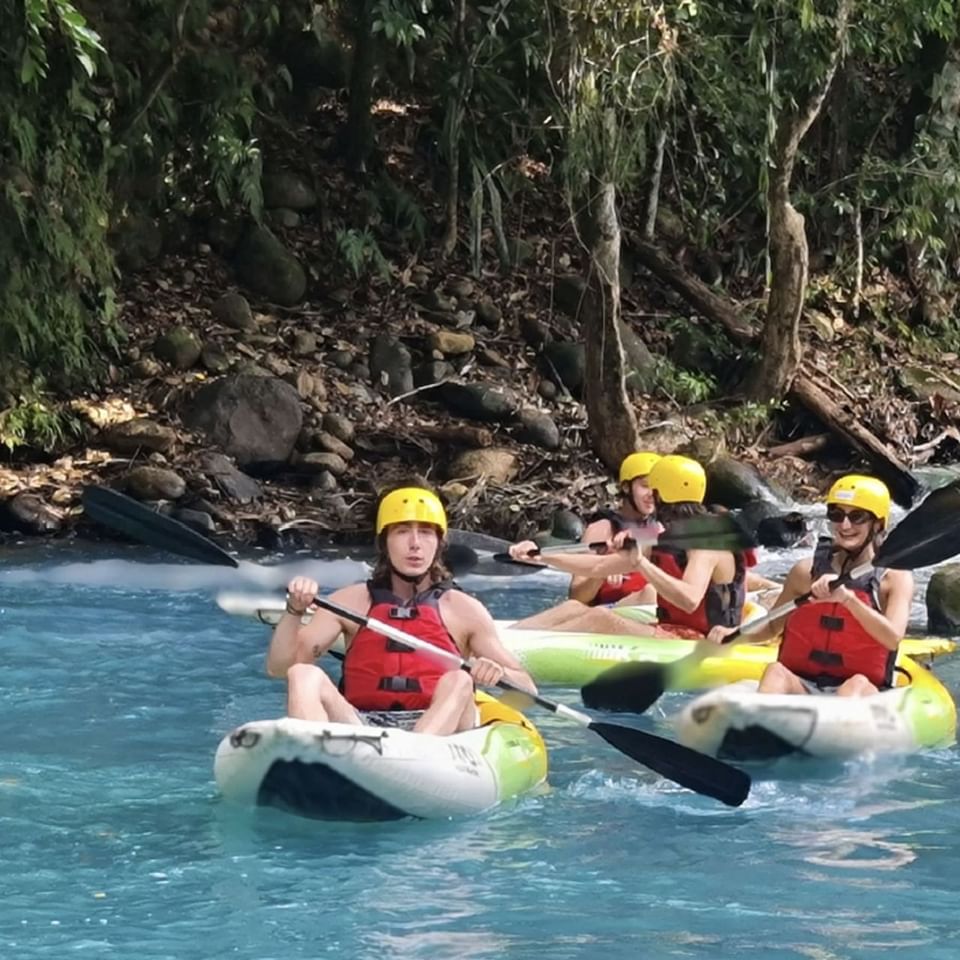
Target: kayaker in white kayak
(846, 637)
(696, 589)
(383, 683)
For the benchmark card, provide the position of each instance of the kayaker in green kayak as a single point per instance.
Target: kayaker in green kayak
(845, 637)
(696, 589)
(635, 511)
(383, 683)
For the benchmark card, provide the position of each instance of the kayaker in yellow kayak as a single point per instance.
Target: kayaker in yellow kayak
(846, 636)
(384, 683)
(696, 589)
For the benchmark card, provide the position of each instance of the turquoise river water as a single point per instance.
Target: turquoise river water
(114, 843)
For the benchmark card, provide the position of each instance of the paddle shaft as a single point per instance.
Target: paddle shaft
(755, 626)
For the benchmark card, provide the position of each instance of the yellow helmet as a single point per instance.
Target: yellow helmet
(867, 493)
(637, 465)
(678, 480)
(410, 504)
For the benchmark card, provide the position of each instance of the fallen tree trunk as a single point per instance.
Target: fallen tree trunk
(802, 447)
(841, 420)
(887, 465)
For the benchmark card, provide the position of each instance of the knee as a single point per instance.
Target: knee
(300, 674)
(456, 683)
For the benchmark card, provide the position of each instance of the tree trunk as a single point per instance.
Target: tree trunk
(780, 349)
(453, 124)
(359, 138)
(612, 423)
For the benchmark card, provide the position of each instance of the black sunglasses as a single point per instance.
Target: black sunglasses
(856, 516)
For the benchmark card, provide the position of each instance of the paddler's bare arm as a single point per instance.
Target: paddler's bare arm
(688, 592)
(471, 625)
(293, 642)
(888, 626)
(580, 564)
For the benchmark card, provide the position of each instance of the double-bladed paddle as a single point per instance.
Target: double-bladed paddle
(684, 766)
(708, 532)
(925, 536)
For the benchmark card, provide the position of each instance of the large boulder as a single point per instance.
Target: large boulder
(284, 188)
(731, 483)
(254, 419)
(943, 600)
(496, 464)
(268, 268)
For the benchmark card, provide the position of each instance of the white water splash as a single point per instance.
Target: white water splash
(330, 574)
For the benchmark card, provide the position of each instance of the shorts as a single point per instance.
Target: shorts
(393, 719)
(811, 686)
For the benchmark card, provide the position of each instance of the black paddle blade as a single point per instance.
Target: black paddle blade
(691, 769)
(925, 536)
(137, 521)
(627, 687)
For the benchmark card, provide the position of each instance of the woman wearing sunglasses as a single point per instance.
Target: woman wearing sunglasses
(846, 637)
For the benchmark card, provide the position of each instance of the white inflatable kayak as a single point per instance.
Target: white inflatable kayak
(735, 722)
(336, 771)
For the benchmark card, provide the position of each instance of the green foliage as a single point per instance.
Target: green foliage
(35, 420)
(685, 387)
(56, 271)
(361, 253)
(399, 208)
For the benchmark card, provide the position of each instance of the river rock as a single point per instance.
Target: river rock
(178, 346)
(341, 358)
(332, 444)
(284, 188)
(926, 384)
(565, 363)
(538, 428)
(137, 240)
(29, 513)
(943, 600)
(233, 483)
(451, 343)
(265, 265)
(197, 519)
(497, 464)
(431, 372)
(318, 462)
(323, 482)
(254, 419)
(569, 293)
(214, 358)
(479, 402)
(233, 310)
(131, 436)
(488, 314)
(339, 426)
(304, 343)
(731, 483)
(390, 365)
(566, 525)
(155, 483)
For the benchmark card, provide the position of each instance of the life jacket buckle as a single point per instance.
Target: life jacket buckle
(403, 613)
(400, 684)
(832, 623)
(827, 658)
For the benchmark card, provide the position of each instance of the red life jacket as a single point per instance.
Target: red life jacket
(379, 673)
(826, 644)
(722, 604)
(609, 593)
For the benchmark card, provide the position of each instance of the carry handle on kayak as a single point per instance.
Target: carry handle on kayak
(927, 535)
